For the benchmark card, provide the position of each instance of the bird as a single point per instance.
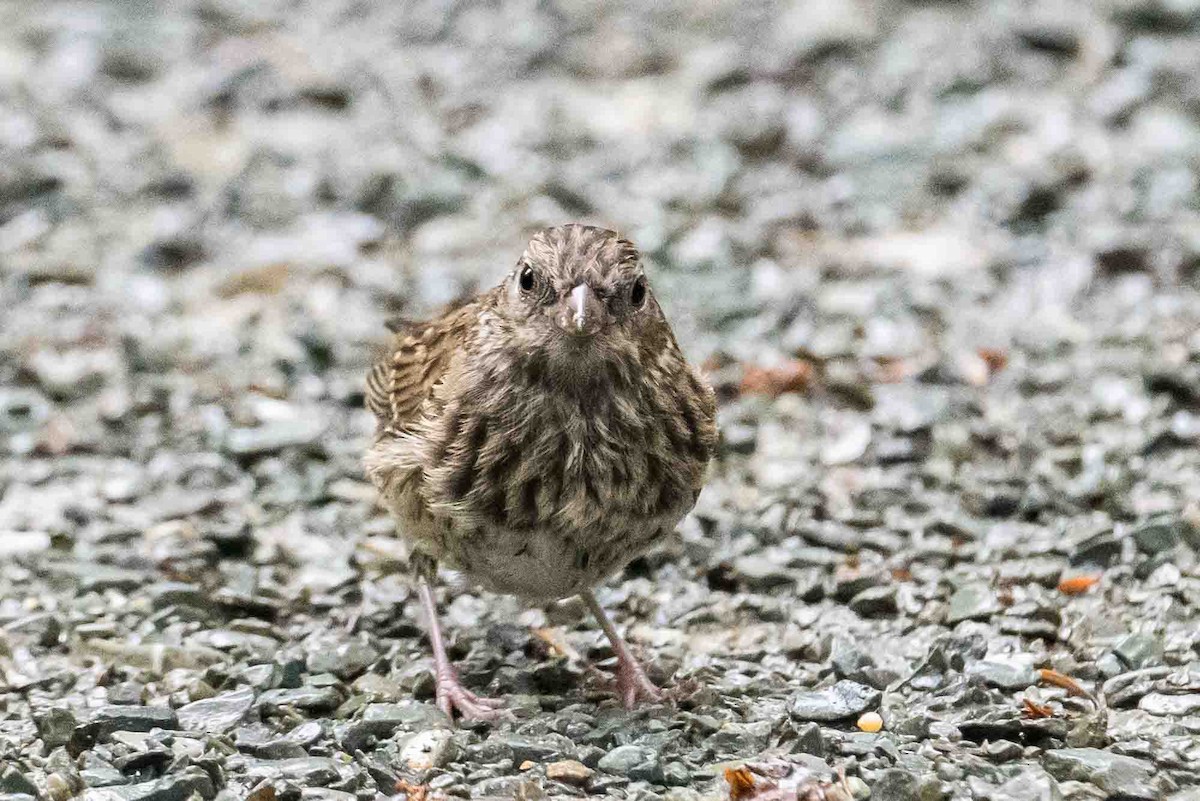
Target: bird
(539, 436)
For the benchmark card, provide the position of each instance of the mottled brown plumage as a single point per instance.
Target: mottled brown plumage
(542, 435)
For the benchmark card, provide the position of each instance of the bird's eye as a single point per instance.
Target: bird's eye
(637, 295)
(526, 279)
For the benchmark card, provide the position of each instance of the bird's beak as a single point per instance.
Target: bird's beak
(579, 306)
(581, 312)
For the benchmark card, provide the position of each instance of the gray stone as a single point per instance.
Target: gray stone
(842, 700)
(15, 544)
(1139, 651)
(309, 699)
(274, 437)
(424, 750)
(1160, 704)
(739, 438)
(309, 733)
(1125, 688)
(55, 725)
(809, 740)
(379, 688)
(1028, 786)
(278, 749)
(309, 771)
(1116, 775)
(1003, 751)
(737, 738)
(126, 693)
(1027, 627)
(1157, 535)
(102, 775)
(634, 762)
(851, 583)
(1099, 550)
(895, 784)
(175, 787)
(108, 719)
(176, 592)
(21, 409)
(1005, 675)
(974, 601)
(264, 741)
(676, 774)
(13, 781)
(1044, 570)
(219, 714)
(46, 629)
(267, 676)
(1192, 794)
(506, 787)
(97, 578)
(345, 660)
(406, 713)
(761, 573)
(258, 646)
(875, 602)
(382, 720)
(547, 748)
(848, 659)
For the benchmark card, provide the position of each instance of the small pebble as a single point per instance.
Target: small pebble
(870, 722)
(569, 771)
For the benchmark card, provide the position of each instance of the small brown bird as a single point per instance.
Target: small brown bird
(541, 436)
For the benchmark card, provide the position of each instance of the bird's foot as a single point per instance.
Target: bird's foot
(452, 695)
(633, 685)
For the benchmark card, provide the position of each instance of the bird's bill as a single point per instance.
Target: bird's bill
(581, 313)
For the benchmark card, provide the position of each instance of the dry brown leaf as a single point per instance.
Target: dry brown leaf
(794, 376)
(782, 782)
(414, 792)
(995, 359)
(557, 644)
(1077, 585)
(741, 783)
(893, 370)
(266, 391)
(1035, 710)
(1066, 682)
(269, 279)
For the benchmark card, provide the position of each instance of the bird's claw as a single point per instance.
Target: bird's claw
(452, 695)
(633, 685)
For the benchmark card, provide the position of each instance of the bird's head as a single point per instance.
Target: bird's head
(580, 293)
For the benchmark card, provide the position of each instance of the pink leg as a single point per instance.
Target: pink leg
(451, 694)
(632, 683)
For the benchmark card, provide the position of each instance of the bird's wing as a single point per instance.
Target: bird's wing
(400, 382)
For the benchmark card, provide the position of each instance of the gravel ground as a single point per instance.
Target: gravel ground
(940, 259)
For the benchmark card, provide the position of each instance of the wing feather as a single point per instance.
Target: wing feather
(401, 381)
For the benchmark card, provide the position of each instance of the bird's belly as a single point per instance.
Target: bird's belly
(546, 564)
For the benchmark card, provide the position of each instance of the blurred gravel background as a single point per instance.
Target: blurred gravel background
(941, 260)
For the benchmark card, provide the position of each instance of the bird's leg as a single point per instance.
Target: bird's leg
(632, 683)
(451, 694)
